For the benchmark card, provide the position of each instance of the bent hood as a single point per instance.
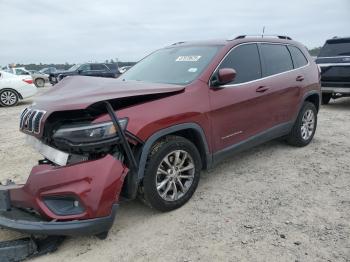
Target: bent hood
(79, 92)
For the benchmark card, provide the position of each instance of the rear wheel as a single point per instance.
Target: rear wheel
(172, 173)
(39, 82)
(8, 98)
(326, 97)
(304, 127)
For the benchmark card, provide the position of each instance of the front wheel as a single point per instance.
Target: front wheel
(172, 173)
(304, 127)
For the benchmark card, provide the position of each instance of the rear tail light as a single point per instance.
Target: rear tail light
(28, 81)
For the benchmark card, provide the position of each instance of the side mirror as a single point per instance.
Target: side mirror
(224, 76)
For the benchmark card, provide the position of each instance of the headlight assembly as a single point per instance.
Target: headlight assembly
(88, 133)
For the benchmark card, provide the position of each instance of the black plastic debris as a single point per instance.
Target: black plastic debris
(21, 249)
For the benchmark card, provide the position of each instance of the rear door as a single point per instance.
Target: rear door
(284, 83)
(99, 70)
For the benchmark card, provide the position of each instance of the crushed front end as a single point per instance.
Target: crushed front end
(75, 189)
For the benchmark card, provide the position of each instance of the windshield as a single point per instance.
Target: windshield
(175, 65)
(73, 68)
(339, 47)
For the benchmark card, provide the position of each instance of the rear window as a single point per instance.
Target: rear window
(276, 59)
(335, 47)
(98, 67)
(298, 57)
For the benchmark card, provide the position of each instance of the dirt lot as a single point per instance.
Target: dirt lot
(271, 203)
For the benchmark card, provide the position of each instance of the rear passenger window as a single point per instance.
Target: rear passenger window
(245, 60)
(276, 59)
(298, 57)
(97, 67)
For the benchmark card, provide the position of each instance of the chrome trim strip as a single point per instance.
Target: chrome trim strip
(53, 154)
(21, 117)
(39, 128)
(233, 134)
(25, 117)
(262, 78)
(343, 56)
(31, 120)
(335, 90)
(334, 64)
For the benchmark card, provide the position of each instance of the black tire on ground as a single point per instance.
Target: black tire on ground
(40, 82)
(8, 97)
(297, 137)
(326, 97)
(170, 148)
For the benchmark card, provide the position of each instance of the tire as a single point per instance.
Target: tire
(175, 188)
(326, 97)
(39, 82)
(8, 97)
(304, 127)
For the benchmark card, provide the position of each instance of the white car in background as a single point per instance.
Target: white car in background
(14, 88)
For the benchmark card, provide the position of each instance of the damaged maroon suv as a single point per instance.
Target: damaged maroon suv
(149, 133)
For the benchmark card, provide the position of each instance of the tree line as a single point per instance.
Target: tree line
(67, 65)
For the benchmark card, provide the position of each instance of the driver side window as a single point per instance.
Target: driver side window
(246, 61)
(85, 68)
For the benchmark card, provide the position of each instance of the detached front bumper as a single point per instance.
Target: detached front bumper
(80, 199)
(22, 221)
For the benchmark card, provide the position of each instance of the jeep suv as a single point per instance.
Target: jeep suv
(151, 132)
(334, 61)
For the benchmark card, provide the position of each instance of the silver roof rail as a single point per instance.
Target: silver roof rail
(262, 36)
(179, 43)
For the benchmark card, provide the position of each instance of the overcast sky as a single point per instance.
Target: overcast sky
(34, 31)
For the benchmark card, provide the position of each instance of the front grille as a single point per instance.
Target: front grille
(30, 120)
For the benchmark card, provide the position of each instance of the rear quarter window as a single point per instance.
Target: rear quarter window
(276, 59)
(336, 47)
(299, 60)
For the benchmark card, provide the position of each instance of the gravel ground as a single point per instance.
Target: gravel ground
(270, 203)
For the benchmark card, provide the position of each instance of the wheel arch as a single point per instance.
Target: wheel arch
(190, 131)
(313, 97)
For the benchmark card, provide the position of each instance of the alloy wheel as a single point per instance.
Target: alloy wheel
(307, 124)
(175, 175)
(8, 98)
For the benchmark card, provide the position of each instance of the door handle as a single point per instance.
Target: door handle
(299, 78)
(262, 89)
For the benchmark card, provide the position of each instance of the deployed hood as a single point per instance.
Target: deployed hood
(79, 92)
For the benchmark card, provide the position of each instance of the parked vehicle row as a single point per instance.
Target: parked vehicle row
(334, 61)
(150, 132)
(14, 88)
(87, 69)
(39, 78)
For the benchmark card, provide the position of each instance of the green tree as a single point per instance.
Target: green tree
(315, 51)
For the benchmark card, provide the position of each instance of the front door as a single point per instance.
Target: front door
(240, 109)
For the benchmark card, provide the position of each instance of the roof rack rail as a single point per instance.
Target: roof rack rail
(262, 36)
(179, 43)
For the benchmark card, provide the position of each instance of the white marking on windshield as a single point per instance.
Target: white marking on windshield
(188, 58)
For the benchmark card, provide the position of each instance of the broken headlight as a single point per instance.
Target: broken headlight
(78, 134)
